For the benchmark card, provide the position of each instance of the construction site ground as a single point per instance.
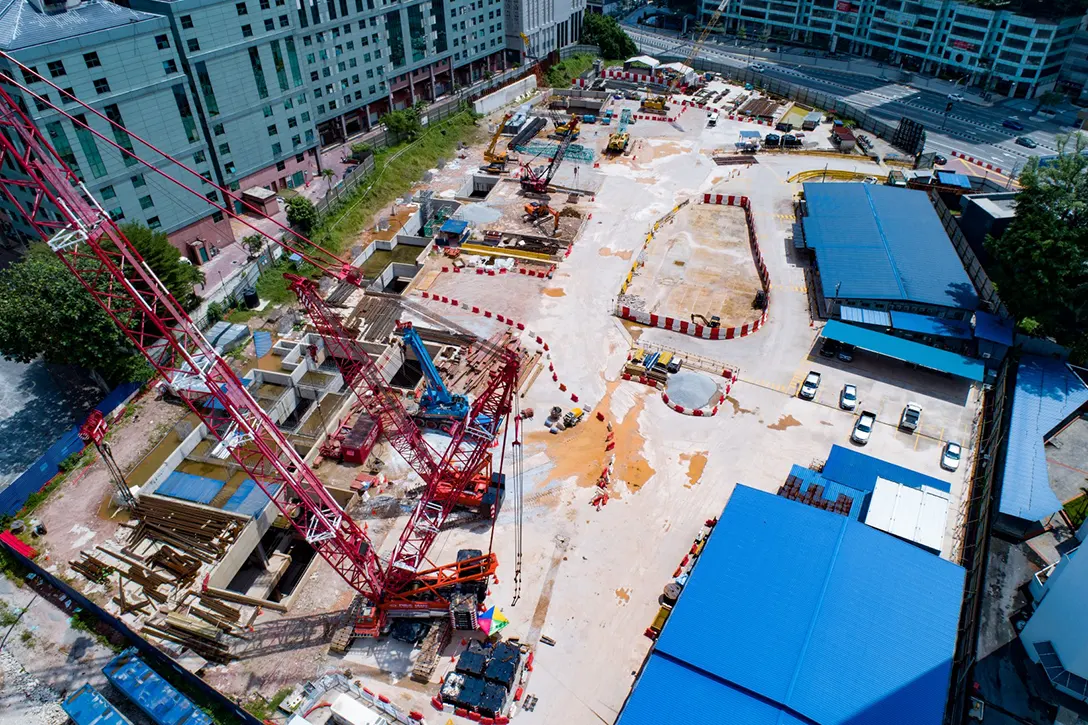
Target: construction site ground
(699, 263)
(591, 579)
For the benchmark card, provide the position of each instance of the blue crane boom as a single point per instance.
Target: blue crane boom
(437, 405)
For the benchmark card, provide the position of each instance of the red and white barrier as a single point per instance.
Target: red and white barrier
(542, 274)
(977, 162)
(706, 411)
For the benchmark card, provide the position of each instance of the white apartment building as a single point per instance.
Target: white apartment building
(548, 24)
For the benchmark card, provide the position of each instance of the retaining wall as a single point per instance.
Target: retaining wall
(684, 326)
(505, 96)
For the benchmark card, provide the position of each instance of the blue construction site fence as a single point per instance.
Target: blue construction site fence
(156, 659)
(42, 470)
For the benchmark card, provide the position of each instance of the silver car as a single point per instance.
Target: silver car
(848, 398)
(863, 428)
(950, 458)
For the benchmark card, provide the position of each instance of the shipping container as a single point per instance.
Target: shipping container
(151, 693)
(87, 706)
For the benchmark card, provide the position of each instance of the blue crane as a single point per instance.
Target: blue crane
(438, 405)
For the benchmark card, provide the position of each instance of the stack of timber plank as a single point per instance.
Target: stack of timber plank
(200, 532)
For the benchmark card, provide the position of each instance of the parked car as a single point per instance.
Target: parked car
(950, 458)
(846, 352)
(912, 413)
(1026, 141)
(939, 160)
(955, 96)
(848, 398)
(1013, 123)
(863, 427)
(830, 348)
(810, 386)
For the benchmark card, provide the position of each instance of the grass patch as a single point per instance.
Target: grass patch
(8, 616)
(240, 317)
(263, 709)
(27, 638)
(562, 73)
(1077, 509)
(272, 285)
(380, 259)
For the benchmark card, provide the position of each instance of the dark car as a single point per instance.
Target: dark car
(830, 348)
(846, 352)
(1013, 124)
(939, 160)
(1027, 142)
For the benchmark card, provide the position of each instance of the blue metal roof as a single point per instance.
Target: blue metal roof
(796, 615)
(249, 499)
(1047, 392)
(928, 325)
(190, 487)
(906, 350)
(750, 134)
(993, 328)
(150, 692)
(859, 471)
(882, 242)
(453, 226)
(863, 316)
(23, 26)
(87, 707)
(832, 489)
(951, 178)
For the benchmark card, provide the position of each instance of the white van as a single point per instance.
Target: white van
(712, 119)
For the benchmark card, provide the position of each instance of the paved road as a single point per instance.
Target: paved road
(972, 128)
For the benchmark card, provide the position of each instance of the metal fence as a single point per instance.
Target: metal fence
(981, 280)
(348, 182)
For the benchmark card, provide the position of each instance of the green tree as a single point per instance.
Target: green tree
(1041, 261)
(301, 214)
(253, 243)
(164, 258)
(46, 313)
(605, 32)
(328, 175)
(1050, 98)
(405, 124)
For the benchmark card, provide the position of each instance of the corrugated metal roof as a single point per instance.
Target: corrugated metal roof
(914, 514)
(23, 26)
(906, 350)
(883, 242)
(951, 178)
(860, 471)
(993, 328)
(249, 499)
(832, 489)
(1047, 392)
(928, 325)
(154, 695)
(793, 614)
(87, 707)
(862, 316)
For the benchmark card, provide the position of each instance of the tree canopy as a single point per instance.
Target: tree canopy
(301, 214)
(605, 32)
(1040, 261)
(406, 124)
(46, 313)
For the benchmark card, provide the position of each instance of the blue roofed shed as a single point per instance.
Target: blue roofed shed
(859, 471)
(86, 706)
(850, 627)
(883, 243)
(151, 693)
(1047, 393)
(905, 350)
(951, 178)
(931, 326)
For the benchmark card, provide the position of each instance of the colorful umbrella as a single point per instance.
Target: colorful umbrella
(492, 621)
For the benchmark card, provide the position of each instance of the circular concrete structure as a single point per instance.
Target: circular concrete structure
(693, 393)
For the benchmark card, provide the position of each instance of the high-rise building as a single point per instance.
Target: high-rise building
(549, 25)
(996, 49)
(245, 91)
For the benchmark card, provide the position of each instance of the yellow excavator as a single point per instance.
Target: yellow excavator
(496, 161)
(617, 142)
(562, 130)
(714, 320)
(659, 104)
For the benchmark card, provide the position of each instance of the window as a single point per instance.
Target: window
(292, 122)
(281, 165)
(332, 105)
(247, 31)
(269, 24)
(217, 217)
(186, 22)
(343, 84)
(211, 195)
(320, 108)
(162, 42)
(315, 76)
(358, 95)
(224, 148)
(146, 202)
(56, 69)
(326, 72)
(372, 90)
(60, 142)
(351, 45)
(90, 149)
(277, 149)
(265, 5)
(101, 85)
(117, 214)
(370, 73)
(296, 140)
(107, 193)
(258, 73)
(30, 74)
(241, 8)
(272, 130)
(193, 44)
(267, 111)
(69, 95)
(311, 59)
(169, 67)
(352, 62)
(341, 67)
(43, 103)
(120, 136)
(284, 21)
(301, 99)
(153, 222)
(288, 104)
(355, 79)
(91, 59)
(217, 129)
(186, 113)
(229, 167)
(307, 40)
(138, 181)
(305, 116)
(317, 93)
(299, 158)
(309, 136)
(199, 157)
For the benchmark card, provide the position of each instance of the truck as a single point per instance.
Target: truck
(912, 414)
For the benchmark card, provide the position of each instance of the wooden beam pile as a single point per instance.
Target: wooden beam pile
(201, 533)
(200, 636)
(471, 373)
(136, 572)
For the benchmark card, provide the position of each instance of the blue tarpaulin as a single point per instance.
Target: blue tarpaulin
(262, 342)
(929, 325)
(750, 134)
(905, 350)
(249, 499)
(453, 226)
(188, 487)
(951, 178)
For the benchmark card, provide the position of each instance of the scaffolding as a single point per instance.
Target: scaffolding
(575, 152)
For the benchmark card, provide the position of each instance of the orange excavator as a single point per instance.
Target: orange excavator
(535, 210)
(496, 160)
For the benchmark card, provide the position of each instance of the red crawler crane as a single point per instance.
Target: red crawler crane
(55, 203)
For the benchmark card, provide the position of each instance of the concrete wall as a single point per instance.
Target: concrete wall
(243, 546)
(185, 447)
(505, 96)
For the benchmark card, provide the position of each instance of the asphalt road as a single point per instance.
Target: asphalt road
(971, 128)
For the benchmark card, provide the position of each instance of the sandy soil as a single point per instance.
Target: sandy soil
(700, 263)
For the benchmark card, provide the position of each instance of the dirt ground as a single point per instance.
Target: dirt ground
(699, 263)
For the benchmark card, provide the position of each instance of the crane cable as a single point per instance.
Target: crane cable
(518, 497)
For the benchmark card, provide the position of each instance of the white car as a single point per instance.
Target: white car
(950, 458)
(863, 428)
(758, 67)
(810, 386)
(955, 96)
(848, 398)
